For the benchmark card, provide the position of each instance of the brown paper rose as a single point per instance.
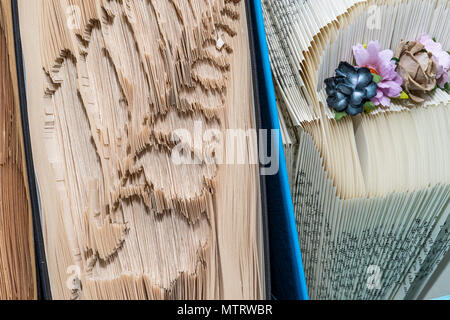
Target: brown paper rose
(417, 69)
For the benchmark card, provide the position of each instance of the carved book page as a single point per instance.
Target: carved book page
(112, 85)
(17, 271)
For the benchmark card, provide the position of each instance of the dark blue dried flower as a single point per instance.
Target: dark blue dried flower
(350, 89)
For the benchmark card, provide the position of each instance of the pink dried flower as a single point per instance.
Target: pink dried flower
(380, 63)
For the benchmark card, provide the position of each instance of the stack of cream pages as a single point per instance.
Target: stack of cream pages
(371, 193)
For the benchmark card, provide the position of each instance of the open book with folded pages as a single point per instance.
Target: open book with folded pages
(365, 110)
(108, 84)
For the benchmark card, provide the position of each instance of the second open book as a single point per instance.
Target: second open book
(371, 192)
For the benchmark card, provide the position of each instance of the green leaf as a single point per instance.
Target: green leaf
(396, 60)
(369, 106)
(447, 87)
(434, 39)
(404, 95)
(435, 88)
(377, 78)
(339, 115)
